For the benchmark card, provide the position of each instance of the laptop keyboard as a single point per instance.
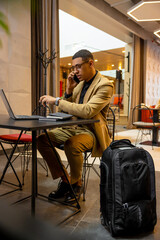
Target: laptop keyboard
(25, 116)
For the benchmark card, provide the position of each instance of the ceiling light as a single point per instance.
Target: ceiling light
(96, 60)
(157, 33)
(69, 64)
(145, 11)
(112, 65)
(123, 51)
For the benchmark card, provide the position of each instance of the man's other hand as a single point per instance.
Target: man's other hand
(46, 99)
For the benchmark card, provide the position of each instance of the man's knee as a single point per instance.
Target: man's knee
(72, 145)
(42, 140)
(79, 143)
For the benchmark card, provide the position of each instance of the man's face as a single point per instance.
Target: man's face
(82, 69)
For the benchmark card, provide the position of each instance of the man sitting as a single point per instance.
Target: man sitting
(89, 98)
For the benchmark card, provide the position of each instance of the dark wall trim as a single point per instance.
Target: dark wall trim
(36, 46)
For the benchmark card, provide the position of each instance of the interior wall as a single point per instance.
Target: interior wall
(152, 73)
(15, 57)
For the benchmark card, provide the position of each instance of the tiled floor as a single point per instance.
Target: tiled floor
(86, 224)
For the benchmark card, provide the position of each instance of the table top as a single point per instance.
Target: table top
(31, 125)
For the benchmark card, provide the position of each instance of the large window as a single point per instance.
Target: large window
(109, 53)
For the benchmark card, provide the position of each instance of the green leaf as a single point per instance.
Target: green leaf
(4, 26)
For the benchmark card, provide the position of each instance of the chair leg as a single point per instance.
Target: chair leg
(28, 159)
(45, 167)
(86, 172)
(9, 163)
(23, 168)
(25, 158)
(144, 133)
(136, 142)
(84, 175)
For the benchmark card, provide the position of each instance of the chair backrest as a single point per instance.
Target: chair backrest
(116, 111)
(111, 122)
(141, 113)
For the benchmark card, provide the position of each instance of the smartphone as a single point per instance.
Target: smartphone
(76, 79)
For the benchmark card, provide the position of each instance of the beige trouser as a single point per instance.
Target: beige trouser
(75, 143)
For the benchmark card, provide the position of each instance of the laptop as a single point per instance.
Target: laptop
(10, 111)
(56, 116)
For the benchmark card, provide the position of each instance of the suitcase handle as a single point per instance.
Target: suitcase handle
(121, 143)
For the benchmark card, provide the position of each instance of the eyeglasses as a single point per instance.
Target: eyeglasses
(78, 66)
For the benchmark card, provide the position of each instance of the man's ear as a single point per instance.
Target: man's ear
(91, 62)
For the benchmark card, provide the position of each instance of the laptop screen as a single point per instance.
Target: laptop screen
(6, 103)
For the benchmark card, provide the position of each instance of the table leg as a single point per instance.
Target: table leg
(155, 136)
(34, 172)
(155, 129)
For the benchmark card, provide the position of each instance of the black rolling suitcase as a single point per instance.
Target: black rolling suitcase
(127, 189)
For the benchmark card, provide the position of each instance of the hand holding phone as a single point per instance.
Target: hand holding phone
(72, 82)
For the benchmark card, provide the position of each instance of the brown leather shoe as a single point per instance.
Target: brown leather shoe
(61, 191)
(77, 190)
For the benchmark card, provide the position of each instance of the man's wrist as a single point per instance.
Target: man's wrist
(57, 101)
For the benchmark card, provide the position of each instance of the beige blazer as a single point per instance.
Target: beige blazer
(95, 105)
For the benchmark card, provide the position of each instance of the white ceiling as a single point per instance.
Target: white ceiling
(93, 16)
(145, 11)
(124, 5)
(79, 35)
(111, 17)
(83, 36)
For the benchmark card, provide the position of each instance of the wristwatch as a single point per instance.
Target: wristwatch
(57, 101)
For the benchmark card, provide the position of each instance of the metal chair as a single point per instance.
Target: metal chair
(22, 143)
(22, 147)
(111, 119)
(143, 120)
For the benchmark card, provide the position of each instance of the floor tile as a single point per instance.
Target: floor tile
(86, 224)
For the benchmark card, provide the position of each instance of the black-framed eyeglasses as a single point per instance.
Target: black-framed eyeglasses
(78, 66)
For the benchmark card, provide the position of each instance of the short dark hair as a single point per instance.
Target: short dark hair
(84, 54)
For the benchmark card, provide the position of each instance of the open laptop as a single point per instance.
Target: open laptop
(10, 111)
